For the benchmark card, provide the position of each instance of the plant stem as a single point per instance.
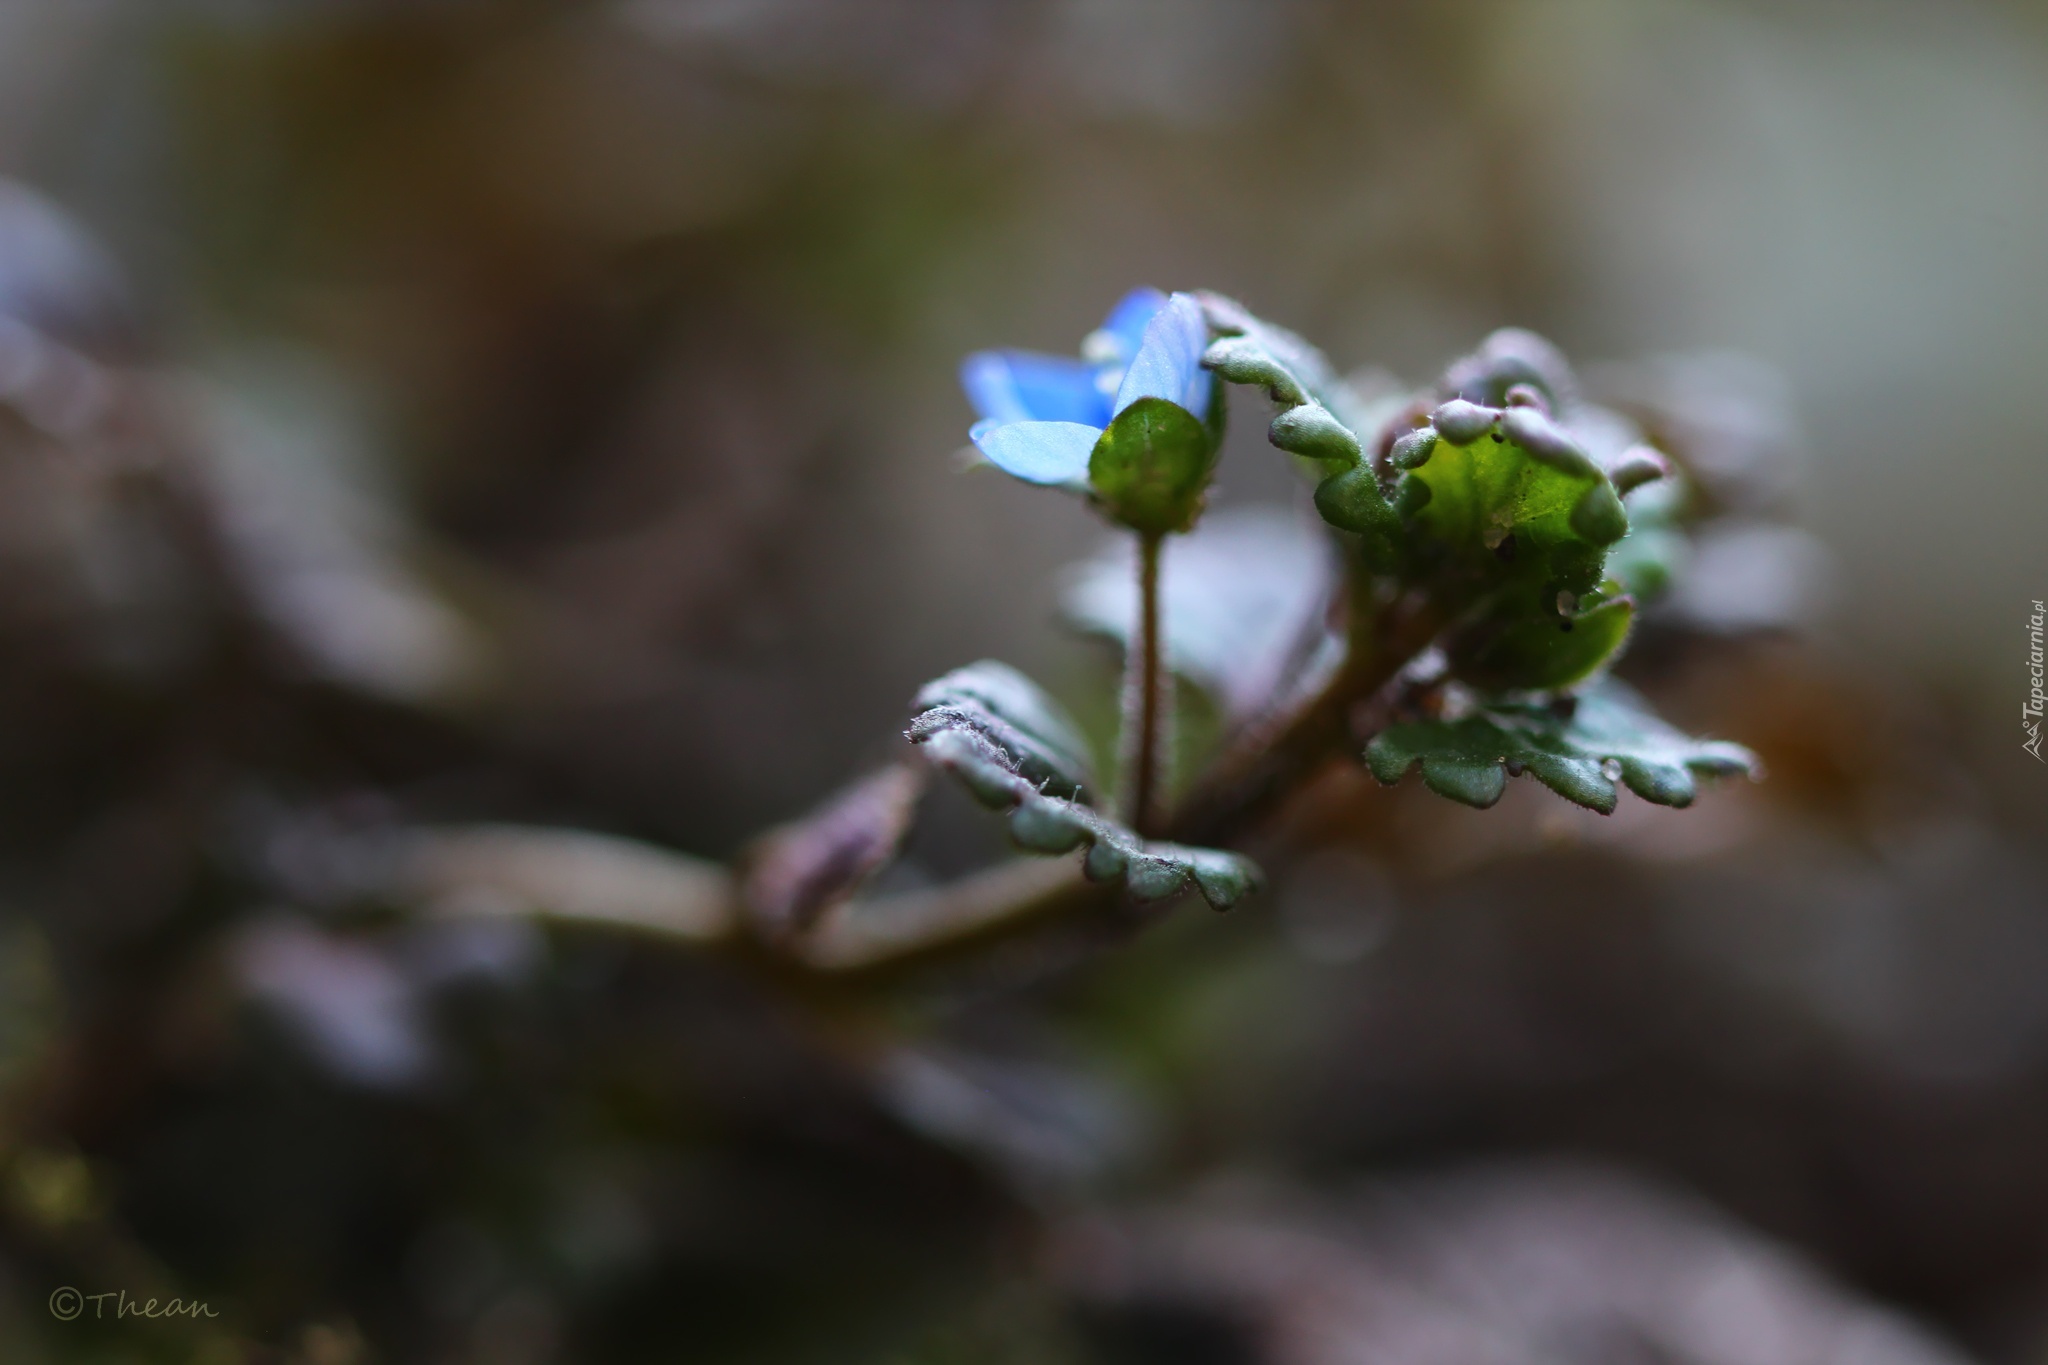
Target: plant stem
(952, 920)
(1144, 740)
(1276, 759)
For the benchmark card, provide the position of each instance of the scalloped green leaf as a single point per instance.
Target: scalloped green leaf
(1031, 733)
(1506, 513)
(1150, 469)
(1298, 379)
(1578, 749)
(1511, 498)
(1290, 369)
(1043, 823)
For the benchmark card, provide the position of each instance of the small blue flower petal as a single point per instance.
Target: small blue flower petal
(1124, 328)
(1023, 386)
(1169, 361)
(1040, 452)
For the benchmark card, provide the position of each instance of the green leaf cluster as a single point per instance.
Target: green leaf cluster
(1481, 498)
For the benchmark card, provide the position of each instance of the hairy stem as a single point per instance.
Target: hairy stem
(1145, 717)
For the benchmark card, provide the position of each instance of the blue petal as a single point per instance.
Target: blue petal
(1022, 386)
(1169, 361)
(1126, 323)
(1040, 452)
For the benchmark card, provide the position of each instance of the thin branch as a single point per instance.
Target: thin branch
(952, 918)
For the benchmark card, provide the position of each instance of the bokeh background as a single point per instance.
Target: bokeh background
(433, 412)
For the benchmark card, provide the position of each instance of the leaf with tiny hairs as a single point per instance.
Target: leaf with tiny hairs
(1578, 749)
(1036, 737)
(1656, 548)
(1043, 822)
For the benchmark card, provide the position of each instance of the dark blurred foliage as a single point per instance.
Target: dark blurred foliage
(454, 413)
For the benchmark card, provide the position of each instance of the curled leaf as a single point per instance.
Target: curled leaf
(1297, 378)
(1513, 358)
(798, 871)
(1577, 749)
(1289, 368)
(1027, 733)
(1040, 822)
(1656, 549)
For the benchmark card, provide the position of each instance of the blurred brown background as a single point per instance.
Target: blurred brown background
(438, 411)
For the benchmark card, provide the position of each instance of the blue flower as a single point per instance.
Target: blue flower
(1042, 415)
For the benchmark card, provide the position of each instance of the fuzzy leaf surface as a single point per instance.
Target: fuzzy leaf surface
(1014, 717)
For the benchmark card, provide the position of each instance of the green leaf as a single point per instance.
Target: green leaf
(1150, 469)
(1014, 717)
(1298, 370)
(1511, 498)
(1521, 651)
(1509, 516)
(1041, 822)
(1577, 748)
(1297, 378)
